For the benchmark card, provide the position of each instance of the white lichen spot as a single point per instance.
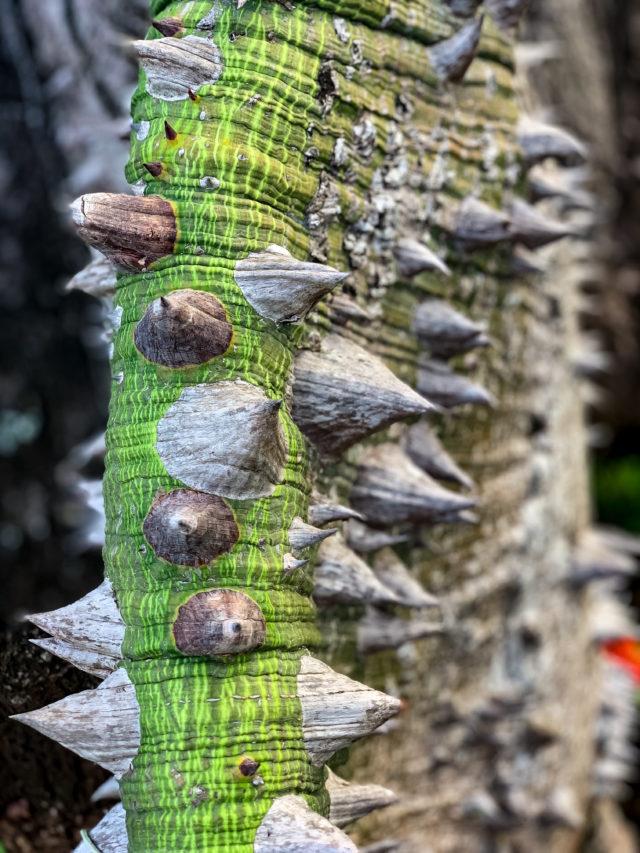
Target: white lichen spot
(142, 130)
(342, 30)
(209, 182)
(341, 155)
(491, 83)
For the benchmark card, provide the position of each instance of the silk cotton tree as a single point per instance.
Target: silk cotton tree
(323, 195)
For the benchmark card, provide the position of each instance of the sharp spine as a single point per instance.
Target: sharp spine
(365, 539)
(109, 790)
(168, 26)
(131, 231)
(444, 387)
(463, 8)
(224, 439)
(336, 710)
(323, 512)
(341, 576)
(539, 141)
(445, 331)
(97, 279)
(523, 262)
(92, 624)
(343, 393)
(413, 258)
(379, 631)
(282, 288)
(154, 169)
(394, 575)
(176, 67)
(94, 663)
(343, 310)
(302, 535)
(532, 228)
(506, 13)
(291, 825)
(292, 564)
(352, 801)
(170, 132)
(451, 57)
(390, 489)
(110, 835)
(424, 448)
(475, 225)
(102, 725)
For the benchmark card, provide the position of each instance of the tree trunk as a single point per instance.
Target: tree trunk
(325, 216)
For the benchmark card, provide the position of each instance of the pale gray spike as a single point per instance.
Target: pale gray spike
(95, 663)
(539, 141)
(365, 539)
(302, 535)
(475, 225)
(109, 790)
(341, 576)
(291, 825)
(336, 710)
(342, 393)
(506, 13)
(532, 54)
(618, 540)
(97, 279)
(544, 183)
(594, 560)
(102, 725)
(392, 573)
(324, 512)
(451, 57)
(524, 262)
(390, 489)
(351, 801)
(343, 309)
(424, 448)
(449, 389)
(445, 331)
(292, 564)
(173, 66)
(92, 624)
(224, 439)
(532, 228)
(378, 631)
(110, 835)
(389, 845)
(463, 8)
(282, 288)
(414, 257)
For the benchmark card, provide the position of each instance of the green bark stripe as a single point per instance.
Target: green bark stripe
(240, 177)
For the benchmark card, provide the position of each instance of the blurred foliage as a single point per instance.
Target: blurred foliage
(616, 483)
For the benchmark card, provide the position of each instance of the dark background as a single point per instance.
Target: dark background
(63, 126)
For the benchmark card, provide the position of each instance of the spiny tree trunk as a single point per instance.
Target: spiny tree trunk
(280, 154)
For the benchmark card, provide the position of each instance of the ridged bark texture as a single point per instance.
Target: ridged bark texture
(276, 149)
